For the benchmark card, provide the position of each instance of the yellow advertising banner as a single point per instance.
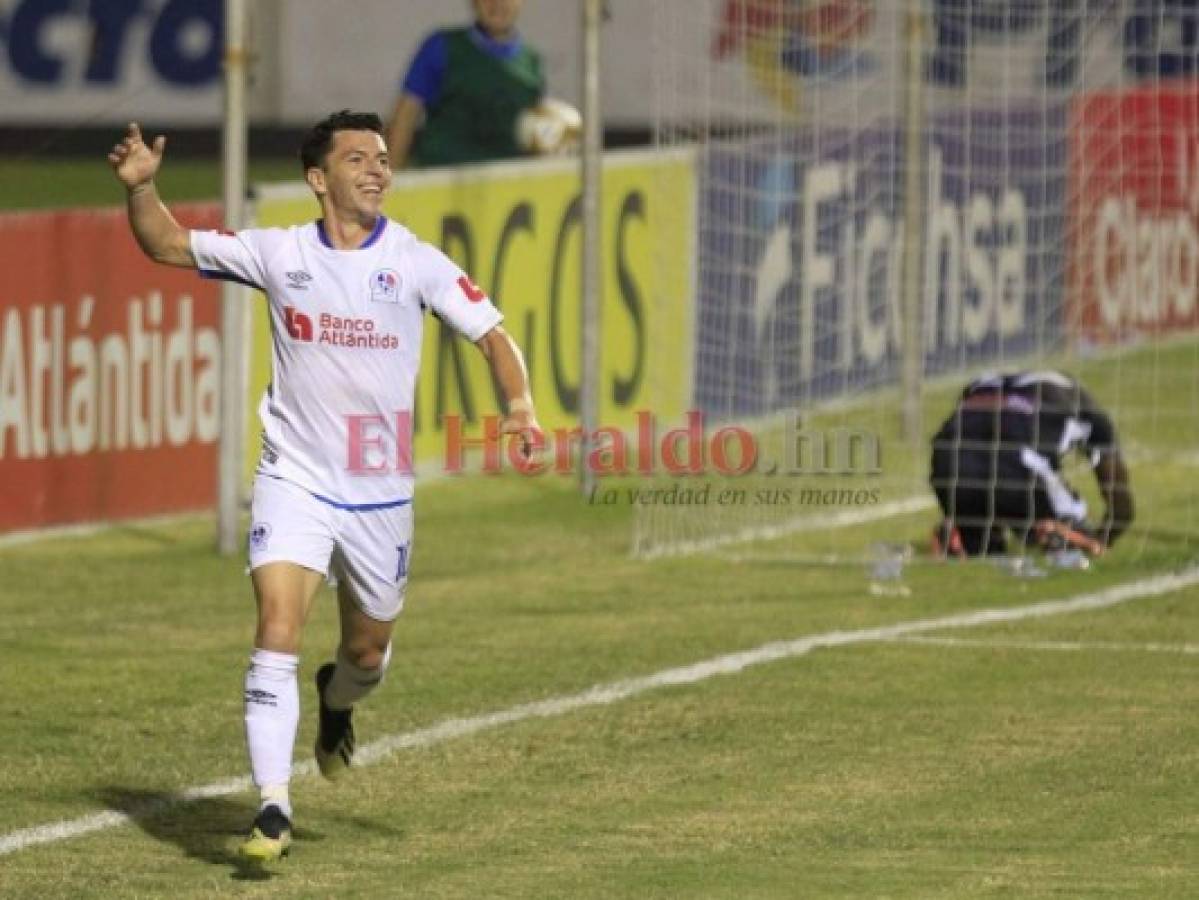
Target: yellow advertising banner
(516, 229)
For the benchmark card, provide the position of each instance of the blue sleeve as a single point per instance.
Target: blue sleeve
(427, 72)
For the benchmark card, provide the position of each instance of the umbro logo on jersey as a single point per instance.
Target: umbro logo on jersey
(298, 279)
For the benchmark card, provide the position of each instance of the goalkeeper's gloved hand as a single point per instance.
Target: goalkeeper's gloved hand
(1055, 534)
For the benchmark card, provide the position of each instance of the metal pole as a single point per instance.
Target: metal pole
(913, 228)
(592, 161)
(233, 300)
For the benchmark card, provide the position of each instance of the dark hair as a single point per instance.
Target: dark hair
(319, 139)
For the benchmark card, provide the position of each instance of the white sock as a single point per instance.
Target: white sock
(274, 795)
(272, 716)
(350, 684)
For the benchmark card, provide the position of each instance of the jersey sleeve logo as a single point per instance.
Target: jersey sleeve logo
(473, 292)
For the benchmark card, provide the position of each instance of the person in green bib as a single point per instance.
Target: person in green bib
(465, 90)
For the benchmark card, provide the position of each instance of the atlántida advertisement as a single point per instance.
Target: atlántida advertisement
(109, 373)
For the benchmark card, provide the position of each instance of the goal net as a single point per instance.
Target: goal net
(895, 197)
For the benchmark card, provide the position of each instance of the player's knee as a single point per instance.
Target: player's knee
(367, 656)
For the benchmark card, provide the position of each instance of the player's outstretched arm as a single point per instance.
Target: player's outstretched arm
(508, 367)
(158, 234)
(1112, 476)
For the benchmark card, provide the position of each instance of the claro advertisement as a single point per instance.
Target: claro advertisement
(1135, 195)
(516, 228)
(109, 373)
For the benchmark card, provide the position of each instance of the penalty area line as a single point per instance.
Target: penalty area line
(605, 694)
(1067, 646)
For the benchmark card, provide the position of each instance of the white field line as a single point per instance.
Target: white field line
(87, 529)
(842, 518)
(604, 694)
(1069, 646)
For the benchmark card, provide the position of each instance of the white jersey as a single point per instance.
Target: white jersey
(346, 329)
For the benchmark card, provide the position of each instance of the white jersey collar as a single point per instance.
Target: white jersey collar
(371, 239)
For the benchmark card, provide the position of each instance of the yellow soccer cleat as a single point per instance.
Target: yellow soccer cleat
(270, 836)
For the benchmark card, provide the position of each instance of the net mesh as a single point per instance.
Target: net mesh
(1013, 180)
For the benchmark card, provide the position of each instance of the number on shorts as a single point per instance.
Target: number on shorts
(402, 562)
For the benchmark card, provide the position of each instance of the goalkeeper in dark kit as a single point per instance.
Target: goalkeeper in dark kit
(996, 468)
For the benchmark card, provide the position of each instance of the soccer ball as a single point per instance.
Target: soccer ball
(552, 126)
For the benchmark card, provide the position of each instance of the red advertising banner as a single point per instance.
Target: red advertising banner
(1134, 171)
(109, 372)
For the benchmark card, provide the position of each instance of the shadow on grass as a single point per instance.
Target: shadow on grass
(207, 830)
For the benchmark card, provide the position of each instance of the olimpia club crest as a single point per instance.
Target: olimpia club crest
(385, 286)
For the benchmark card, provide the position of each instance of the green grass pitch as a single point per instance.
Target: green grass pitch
(1042, 757)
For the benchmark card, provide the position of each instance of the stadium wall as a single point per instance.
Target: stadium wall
(160, 60)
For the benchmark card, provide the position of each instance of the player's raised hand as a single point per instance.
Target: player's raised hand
(133, 161)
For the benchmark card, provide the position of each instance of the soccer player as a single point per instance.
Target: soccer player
(333, 489)
(996, 467)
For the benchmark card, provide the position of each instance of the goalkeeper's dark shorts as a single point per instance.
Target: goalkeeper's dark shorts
(987, 492)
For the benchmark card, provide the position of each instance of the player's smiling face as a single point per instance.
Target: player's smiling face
(356, 173)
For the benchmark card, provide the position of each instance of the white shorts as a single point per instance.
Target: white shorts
(366, 550)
